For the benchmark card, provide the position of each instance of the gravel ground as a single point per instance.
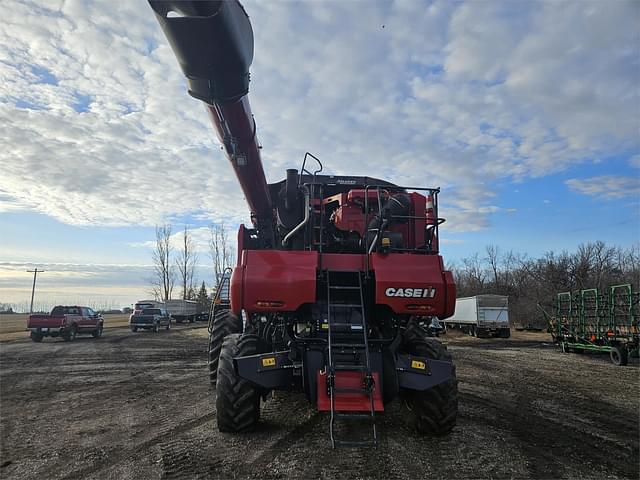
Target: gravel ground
(140, 406)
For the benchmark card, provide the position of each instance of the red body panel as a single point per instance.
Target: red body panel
(287, 279)
(50, 321)
(349, 402)
(411, 283)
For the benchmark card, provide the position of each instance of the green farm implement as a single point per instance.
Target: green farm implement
(592, 320)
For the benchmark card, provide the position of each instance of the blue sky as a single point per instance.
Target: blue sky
(527, 114)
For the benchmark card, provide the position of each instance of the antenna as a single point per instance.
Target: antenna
(33, 289)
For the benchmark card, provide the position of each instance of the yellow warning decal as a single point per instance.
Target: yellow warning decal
(325, 326)
(417, 364)
(269, 362)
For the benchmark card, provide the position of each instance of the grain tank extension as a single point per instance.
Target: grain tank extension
(337, 278)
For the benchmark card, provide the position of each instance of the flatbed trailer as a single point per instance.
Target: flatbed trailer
(590, 320)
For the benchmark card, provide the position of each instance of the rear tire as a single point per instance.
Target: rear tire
(36, 337)
(224, 323)
(70, 336)
(134, 329)
(168, 327)
(619, 355)
(434, 410)
(237, 399)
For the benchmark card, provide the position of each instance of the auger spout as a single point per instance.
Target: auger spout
(213, 42)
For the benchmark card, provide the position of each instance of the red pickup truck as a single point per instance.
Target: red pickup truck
(66, 322)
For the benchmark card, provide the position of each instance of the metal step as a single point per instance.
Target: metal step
(363, 391)
(358, 326)
(353, 416)
(344, 288)
(354, 444)
(345, 305)
(347, 367)
(358, 346)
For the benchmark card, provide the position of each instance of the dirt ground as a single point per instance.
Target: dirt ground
(140, 406)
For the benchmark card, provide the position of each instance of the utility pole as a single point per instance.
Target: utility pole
(33, 289)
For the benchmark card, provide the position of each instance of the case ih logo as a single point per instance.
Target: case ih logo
(428, 292)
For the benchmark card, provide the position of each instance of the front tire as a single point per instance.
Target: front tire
(36, 337)
(98, 332)
(156, 328)
(134, 329)
(434, 410)
(224, 323)
(237, 399)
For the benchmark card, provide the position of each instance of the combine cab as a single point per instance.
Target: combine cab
(337, 278)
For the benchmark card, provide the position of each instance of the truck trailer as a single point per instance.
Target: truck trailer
(481, 316)
(182, 310)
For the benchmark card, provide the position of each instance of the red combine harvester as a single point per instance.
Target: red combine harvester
(338, 280)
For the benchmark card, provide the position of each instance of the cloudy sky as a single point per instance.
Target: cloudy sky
(526, 114)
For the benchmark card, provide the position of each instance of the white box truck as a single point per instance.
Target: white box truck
(182, 310)
(482, 316)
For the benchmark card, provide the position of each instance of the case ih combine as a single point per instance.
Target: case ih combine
(337, 279)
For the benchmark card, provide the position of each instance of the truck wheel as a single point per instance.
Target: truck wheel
(70, 336)
(224, 323)
(237, 399)
(36, 337)
(156, 328)
(619, 355)
(168, 327)
(505, 333)
(134, 329)
(434, 410)
(97, 333)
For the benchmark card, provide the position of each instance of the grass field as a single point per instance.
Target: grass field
(15, 325)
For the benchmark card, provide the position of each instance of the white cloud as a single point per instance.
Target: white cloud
(98, 128)
(607, 186)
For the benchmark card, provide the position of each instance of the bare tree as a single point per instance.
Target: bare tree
(220, 250)
(493, 257)
(163, 274)
(186, 263)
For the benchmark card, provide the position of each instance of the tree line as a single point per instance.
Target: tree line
(527, 281)
(177, 265)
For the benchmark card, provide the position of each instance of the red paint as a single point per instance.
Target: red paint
(397, 270)
(288, 277)
(349, 402)
(236, 130)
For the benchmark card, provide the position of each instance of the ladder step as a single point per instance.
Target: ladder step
(345, 305)
(355, 444)
(352, 326)
(347, 367)
(354, 416)
(359, 346)
(344, 288)
(362, 391)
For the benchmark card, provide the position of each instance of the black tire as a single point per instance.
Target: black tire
(36, 337)
(505, 333)
(224, 323)
(619, 355)
(435, 410)
(237, 399)
(97, 333)
(156, 327)
(70, 336)
(134, 329)
(168, 327)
